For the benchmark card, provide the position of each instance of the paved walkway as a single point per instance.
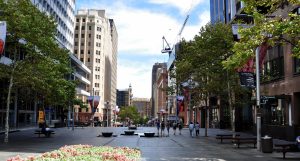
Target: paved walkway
(173, 148)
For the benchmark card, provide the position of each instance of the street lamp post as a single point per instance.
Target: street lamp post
(258, 122)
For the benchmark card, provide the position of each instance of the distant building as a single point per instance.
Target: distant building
(155, 68)
(143, 106)
(124, 97)
(161, 86)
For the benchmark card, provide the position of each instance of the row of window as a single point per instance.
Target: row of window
(90, 28)
(273, 67)
(97, 60)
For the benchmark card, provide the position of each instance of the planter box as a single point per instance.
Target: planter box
(129, 132)
(149, 134)
(132, 128)
(107, 134)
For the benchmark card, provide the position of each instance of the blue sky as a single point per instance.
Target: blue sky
(141, 24)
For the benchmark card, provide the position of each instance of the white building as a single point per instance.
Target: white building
(96, 46)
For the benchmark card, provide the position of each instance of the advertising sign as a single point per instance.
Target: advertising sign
(41, 117)
(2, 36)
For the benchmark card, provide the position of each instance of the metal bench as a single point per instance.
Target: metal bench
(226, 136)
(245, 140)
(285, 147)
(46, 133)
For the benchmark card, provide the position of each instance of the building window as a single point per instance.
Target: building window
(75, 51)
(90, 27)
(81, 51)
(296, 65)
(76, 28)
(273, 67)
(76, 35)
(89, 52)
(88, 59)
(77, 19)
(89, 43)
(82, 44)
(83, 20)
(81, 59)
(82, 27)
(89, 35)
(76, 43)
(82, 35)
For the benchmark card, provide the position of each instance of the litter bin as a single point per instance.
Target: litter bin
(267, 144)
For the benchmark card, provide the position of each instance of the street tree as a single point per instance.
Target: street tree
(201, 60)
(129, 113)
(38, 63)
(271, 27)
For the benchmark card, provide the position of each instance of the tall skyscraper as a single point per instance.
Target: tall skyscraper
(95, 44)
(64, 14)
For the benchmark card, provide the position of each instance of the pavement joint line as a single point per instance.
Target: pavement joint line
(108, 142)
(177, 143)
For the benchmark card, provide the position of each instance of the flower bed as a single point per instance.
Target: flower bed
(86, 152)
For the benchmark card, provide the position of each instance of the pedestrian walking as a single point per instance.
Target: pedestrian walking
(197, 128)
(174, 127)
(191, 128)
(162, 127)
(168, 127)
(180, 126)
(158, 127)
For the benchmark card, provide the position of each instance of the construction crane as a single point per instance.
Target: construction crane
(166, 45)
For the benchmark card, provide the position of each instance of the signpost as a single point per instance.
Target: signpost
(247, 79)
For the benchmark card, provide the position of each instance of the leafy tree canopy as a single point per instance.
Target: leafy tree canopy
(275, 22)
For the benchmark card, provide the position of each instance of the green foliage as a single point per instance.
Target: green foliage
(267, 29)
(129, 113)
(39, 63)
(79, 102)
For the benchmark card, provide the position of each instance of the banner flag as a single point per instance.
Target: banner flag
(2, 36)
(96, 101)
(180, 104)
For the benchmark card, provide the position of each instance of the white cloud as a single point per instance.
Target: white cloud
(138, 74)
(182, 5)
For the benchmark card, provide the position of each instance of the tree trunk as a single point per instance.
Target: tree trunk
(206, 116)
(7, 107)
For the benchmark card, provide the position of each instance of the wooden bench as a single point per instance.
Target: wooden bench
(245, 140)
(284, 148)
(47, 133)
(226, 136)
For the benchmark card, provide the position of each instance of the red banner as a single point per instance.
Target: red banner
(2, 36)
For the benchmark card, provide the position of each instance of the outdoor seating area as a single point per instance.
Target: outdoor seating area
(237, 139)
(284, 147)
(47, 133)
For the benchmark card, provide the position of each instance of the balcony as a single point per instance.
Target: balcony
(80, 91)
(82, 79)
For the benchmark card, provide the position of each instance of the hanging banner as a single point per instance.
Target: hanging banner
(96, 100)
(2, 36)
(180, 104)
